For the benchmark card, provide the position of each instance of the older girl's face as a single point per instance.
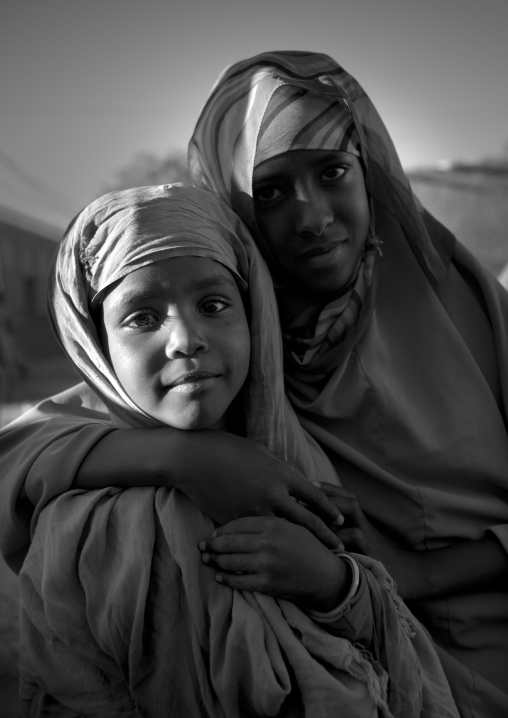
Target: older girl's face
(313, 212)
(176, 334)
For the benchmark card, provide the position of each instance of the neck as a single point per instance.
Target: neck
(294, 302)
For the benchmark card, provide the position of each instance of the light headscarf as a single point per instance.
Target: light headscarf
(297, 119)
(222, 150)
(223, 153)
(123, 231)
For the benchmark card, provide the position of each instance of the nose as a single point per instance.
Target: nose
(185, 337)
(313, 213)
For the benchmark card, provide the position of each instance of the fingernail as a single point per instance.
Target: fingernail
(339, 548)
(339, 520)
(205, 557)
(218, 578)
(202, 545)
(214, 534)
(317, 483)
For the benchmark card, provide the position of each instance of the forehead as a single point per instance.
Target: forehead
(296, 161)
(171, 277)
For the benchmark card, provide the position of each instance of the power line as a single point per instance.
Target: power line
(62, 203)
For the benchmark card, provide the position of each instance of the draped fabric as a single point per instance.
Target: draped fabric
(412, 404)
(308, 341)
(222, 150)
(120, 617)
(328, 124)
(118, 614)
(126, 230)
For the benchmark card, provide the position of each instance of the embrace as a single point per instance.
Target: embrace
(281, 488)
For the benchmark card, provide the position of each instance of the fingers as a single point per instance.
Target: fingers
(299, 514)
(354, 540)
(227, 540)
(236, 563)
(332, 490)
(346, 502)
(316, 500)
(248, 582)
(245, 525)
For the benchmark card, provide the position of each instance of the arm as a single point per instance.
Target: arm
(285, 561)
(465, 567)
(39, 456)
(68, 441)
(278, 558)
(227, 476)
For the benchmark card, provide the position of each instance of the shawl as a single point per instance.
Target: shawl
(126, 230)
(413, 407)
(222, 150)
(118, 614)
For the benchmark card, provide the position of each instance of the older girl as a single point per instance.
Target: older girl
(395, 344)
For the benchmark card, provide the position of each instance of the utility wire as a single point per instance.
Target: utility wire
(59, 200)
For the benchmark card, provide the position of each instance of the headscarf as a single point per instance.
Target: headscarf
(242, 108)
(328, 124)
(222, 150)
(123, 231)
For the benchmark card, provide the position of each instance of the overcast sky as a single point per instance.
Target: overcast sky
(85, 85)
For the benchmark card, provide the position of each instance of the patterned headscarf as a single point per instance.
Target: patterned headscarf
(297, 119)
(222, 150)
(123, 231)
(223, 154)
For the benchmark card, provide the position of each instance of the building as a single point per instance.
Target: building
(28, 349)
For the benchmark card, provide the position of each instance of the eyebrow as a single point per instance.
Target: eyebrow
(215, 281)
(277, 172)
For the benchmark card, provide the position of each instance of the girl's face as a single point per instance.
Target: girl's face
(313, 212)
(176, 334)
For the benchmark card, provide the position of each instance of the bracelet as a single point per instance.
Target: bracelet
(353, 590)
(356, 576)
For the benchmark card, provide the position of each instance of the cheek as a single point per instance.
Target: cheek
(130, 364)
(237, 351)
(361, 207)
(274, 227)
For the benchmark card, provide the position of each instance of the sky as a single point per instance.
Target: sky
(86, 85)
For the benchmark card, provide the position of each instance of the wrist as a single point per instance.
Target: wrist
(344, 579)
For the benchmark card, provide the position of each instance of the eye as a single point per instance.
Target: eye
(142, 320)
(267, 194)
(214, 305)
(333, 173)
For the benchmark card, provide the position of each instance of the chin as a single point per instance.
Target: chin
(192, 423)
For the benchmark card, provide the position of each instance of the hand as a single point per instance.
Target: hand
(230, 477)
(356, 532)
(226, 475)
(406, 566)
(279, 558)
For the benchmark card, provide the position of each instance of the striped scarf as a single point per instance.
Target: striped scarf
(297, 119)
(307, 339)
(223, 147)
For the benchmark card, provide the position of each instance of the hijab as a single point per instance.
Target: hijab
(125, 230)
(282, 101)
(222, 150)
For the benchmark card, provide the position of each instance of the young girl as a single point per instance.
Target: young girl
(119, 614)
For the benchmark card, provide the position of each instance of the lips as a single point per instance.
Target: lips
(193, 377)
(319, 250)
